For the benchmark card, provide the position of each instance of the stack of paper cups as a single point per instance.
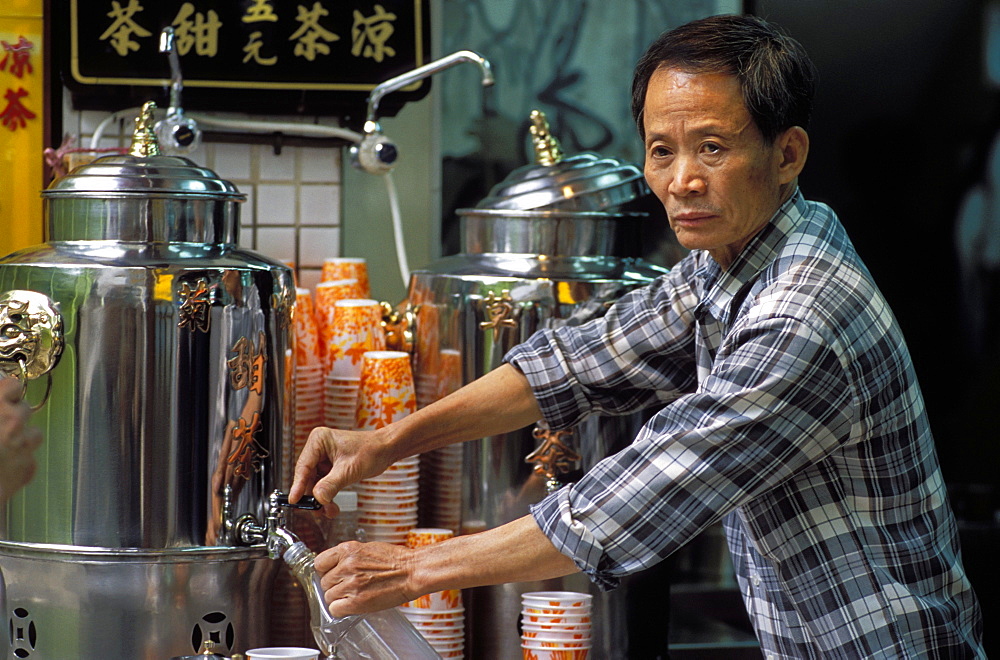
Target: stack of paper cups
(346, 268)
(308, 373)
(307, 350)
(441, 469)
(441, 487)
(555, 625)
(439, 617)
(356, 329)
(387, 504)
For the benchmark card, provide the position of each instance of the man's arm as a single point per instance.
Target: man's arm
(499, 402)
(367, 577)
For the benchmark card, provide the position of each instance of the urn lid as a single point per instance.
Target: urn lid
(554, 182)
(143, 172)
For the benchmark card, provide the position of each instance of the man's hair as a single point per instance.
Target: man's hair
(776, 76)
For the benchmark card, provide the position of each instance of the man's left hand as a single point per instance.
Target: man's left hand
(358, 578)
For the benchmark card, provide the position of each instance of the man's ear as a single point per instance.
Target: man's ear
(793, 147)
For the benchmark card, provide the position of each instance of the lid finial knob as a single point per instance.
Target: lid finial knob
(547, 149)
(144, 141)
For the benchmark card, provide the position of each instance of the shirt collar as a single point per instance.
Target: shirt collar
(721, 286)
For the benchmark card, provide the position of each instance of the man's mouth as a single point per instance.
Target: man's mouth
(690, 217)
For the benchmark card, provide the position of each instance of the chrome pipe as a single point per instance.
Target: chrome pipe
(425, 71)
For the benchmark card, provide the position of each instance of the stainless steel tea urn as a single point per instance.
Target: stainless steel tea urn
(158, 355)
(543, 250)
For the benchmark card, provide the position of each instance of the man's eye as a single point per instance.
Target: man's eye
(660, 152)
(711, 148)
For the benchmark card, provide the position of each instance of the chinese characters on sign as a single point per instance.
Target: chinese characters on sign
(329, 53)
(370, 34)
(123, 27)
(15, 62)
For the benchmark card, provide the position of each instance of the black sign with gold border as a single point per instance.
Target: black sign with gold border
(312, 57)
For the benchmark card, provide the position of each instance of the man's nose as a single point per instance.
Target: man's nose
(687, 178)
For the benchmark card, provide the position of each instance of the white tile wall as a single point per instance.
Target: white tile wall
(293, 198)
(276, 203)
(319, 204)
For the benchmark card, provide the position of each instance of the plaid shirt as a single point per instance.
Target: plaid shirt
(788, 408)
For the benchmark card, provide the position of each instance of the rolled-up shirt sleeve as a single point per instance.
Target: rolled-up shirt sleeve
(777, 401)
(638, 354)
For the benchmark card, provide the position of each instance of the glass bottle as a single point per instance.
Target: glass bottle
(344, 526)
(385, 635)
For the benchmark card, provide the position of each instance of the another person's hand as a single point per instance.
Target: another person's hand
(17, 441)
(333, 459)
(358, 578)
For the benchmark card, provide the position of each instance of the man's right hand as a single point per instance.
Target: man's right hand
(334, 459)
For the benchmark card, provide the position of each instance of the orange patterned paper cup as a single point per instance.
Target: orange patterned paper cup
(437, 601)
(531, 653)
(347, 268)
(422, 536)
(356, 328)
(326, 294)
(385, 393)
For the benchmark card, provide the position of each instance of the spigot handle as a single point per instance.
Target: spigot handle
(307, 502)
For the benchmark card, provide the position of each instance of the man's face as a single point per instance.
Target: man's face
(707, 162)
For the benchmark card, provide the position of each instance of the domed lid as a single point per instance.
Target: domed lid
(584, 182)
(144, 172)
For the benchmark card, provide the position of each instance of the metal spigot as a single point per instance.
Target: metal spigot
(376, 153)
(273, 532)
(176, 133)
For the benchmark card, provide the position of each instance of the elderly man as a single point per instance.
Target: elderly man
(787, 401)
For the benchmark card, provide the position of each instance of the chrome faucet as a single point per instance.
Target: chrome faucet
(274, 532)
(376, 153)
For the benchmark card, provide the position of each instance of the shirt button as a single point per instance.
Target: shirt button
(755, 579)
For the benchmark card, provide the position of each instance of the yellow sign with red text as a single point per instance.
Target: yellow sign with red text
(22, 124)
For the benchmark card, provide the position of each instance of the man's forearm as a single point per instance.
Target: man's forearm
(516, 552)
(499, 402)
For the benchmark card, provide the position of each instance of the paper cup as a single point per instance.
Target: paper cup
(355, 327)
(342, 268)
(535, 644)
(398, 487)
(422, 536)
(450, 618)
(533, 653)
(556, 627)
(555, 609)
(557, 598)
(555, 618)
(551, 636)
(385, 394)
(439, 600)
(283, 652)
(325, 298)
